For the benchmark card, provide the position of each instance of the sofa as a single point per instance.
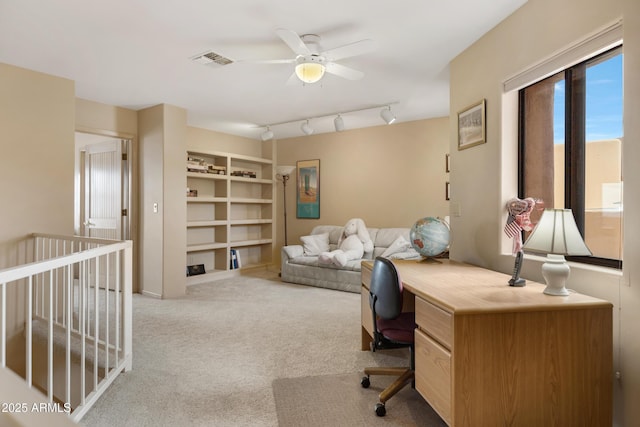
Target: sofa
(300, 262)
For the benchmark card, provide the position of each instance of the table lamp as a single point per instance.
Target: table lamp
(556, 235)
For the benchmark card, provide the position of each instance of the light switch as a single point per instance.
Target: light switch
(155, 208)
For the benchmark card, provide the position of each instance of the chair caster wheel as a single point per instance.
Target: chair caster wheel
(365, 383)
(380, 409)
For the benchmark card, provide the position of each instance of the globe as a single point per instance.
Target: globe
(430, 236)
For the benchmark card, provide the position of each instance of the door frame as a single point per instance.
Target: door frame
(132, 179)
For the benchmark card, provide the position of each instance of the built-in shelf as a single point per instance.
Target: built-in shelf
(201, 175)
(219, 223)
(251, 180)
(241, 200)
(250, 221)
(206, 247)
(229, 212)
(205, 199)
(250, 242)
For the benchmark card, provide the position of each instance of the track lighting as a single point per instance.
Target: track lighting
(308, 130)
(338, 121)
(267, 134)
(387, 115)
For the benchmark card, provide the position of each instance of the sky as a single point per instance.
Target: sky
(604, 102)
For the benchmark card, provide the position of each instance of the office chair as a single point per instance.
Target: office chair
(392, 328)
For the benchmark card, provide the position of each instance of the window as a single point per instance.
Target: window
(570, 151)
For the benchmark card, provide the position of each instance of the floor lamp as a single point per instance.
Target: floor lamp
(283, 173)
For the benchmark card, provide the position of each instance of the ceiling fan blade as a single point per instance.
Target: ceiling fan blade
(293, 80)
(351, 49)
(342, 71)
(294, 41)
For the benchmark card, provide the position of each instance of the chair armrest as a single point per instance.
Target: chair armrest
(291, 251)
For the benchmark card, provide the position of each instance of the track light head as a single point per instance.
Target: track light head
(267, 134)
(387, 115)
(338, 123)
(308, 130)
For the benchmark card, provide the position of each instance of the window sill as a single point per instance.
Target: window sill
(580, 266)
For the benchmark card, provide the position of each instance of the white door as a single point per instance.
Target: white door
(103, 214)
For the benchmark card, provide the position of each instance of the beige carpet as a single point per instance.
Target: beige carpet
(340, 400)
(212, 357)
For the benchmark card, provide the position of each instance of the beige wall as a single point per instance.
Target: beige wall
(390, 176)
(37, 143)
(36, 173)
(94, 117)
(207, 140)
(174, 207)
(162, 136)
(484, 177)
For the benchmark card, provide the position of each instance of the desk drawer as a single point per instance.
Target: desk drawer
(433, 374)
(365, 311)
(365, 276)
(434, 321)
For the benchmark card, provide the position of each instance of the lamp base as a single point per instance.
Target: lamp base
(555, 272)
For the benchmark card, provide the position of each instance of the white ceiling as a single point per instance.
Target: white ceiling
(136, 53)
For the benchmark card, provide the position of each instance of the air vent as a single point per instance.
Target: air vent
(211, 58)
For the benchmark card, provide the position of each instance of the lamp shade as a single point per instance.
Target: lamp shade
(310, 71)
(557, 233)
(284, 170)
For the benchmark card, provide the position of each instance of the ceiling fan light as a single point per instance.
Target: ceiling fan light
(308, 130)
(310, 72)
(338, 123)
(267, 134)
(387, 115)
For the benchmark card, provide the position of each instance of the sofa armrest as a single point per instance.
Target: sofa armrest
(291, 251)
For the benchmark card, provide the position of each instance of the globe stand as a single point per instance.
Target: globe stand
(430, 260)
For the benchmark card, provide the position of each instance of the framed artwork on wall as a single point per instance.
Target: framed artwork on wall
(308, 189)
(471, 126)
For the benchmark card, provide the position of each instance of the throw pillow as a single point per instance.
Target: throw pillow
(408, 254)
(398, 245)
(315, 244)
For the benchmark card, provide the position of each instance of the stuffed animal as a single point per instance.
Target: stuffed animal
(353, 243)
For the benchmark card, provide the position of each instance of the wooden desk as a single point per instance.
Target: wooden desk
(488, 354)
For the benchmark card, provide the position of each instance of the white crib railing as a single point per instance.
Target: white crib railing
(71, 298)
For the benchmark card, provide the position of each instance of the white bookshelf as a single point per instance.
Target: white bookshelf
(229, 212)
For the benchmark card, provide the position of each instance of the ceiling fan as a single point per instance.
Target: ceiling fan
(311, 63)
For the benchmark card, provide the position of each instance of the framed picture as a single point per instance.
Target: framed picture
(308, 189)
(471, 126)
